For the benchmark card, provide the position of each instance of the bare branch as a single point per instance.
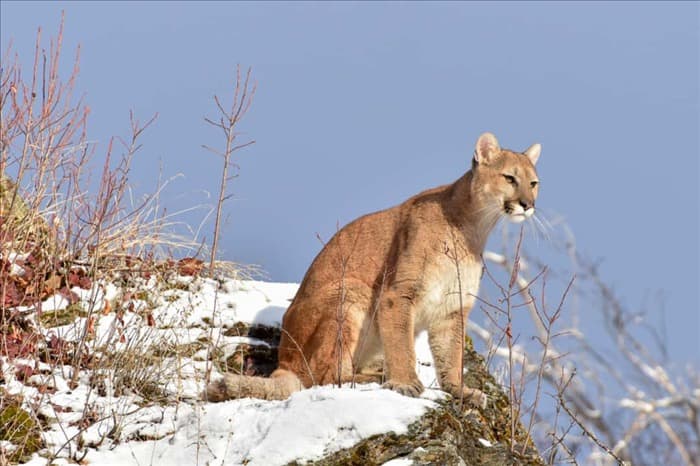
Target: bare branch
(227, 123)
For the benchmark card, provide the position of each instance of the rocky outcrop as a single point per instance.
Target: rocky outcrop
(447, 435)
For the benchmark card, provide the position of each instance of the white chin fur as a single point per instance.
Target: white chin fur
(521, 215)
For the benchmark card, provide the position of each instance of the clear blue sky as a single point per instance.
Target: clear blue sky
(361, 105)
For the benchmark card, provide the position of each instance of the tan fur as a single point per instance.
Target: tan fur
(391, 274)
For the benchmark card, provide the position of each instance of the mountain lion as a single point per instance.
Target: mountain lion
(391, 274)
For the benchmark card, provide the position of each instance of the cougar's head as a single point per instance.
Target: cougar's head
(504, 179)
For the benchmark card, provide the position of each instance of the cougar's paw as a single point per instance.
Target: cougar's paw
(216, 391)
(475, 397)
(472, 396)
(412, 389)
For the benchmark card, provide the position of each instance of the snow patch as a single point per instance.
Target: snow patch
(307, 426)
(120, 429)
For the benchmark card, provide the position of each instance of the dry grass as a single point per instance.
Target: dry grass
(69, 218)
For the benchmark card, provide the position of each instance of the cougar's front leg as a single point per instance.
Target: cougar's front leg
(446, 336)
(395, 320)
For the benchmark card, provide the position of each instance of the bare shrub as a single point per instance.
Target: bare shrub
(227, 122)
(47, 164)
(70, 222)
(598, 396)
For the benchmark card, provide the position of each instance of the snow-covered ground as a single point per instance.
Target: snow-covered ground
(105, 425)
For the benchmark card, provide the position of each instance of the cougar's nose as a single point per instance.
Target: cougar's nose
(526, 205)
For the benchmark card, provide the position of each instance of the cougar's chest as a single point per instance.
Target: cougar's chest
(448, 287)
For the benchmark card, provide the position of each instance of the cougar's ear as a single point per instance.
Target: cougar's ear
(487, 149)
(533, 152)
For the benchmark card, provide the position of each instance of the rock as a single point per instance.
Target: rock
(448, 435)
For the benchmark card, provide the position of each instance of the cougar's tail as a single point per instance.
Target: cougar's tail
(278, 386)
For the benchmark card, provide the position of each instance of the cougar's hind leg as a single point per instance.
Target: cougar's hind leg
(338, 337)
(334, 359)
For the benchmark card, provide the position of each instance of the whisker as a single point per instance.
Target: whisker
(541, 227)
(544, 221)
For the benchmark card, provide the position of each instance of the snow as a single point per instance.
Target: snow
(253, 432)
(485, 442)
(399, 462)
(54, 303)
(115, 427)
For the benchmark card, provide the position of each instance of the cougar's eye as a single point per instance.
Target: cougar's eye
(510, 179)
(533, 183)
